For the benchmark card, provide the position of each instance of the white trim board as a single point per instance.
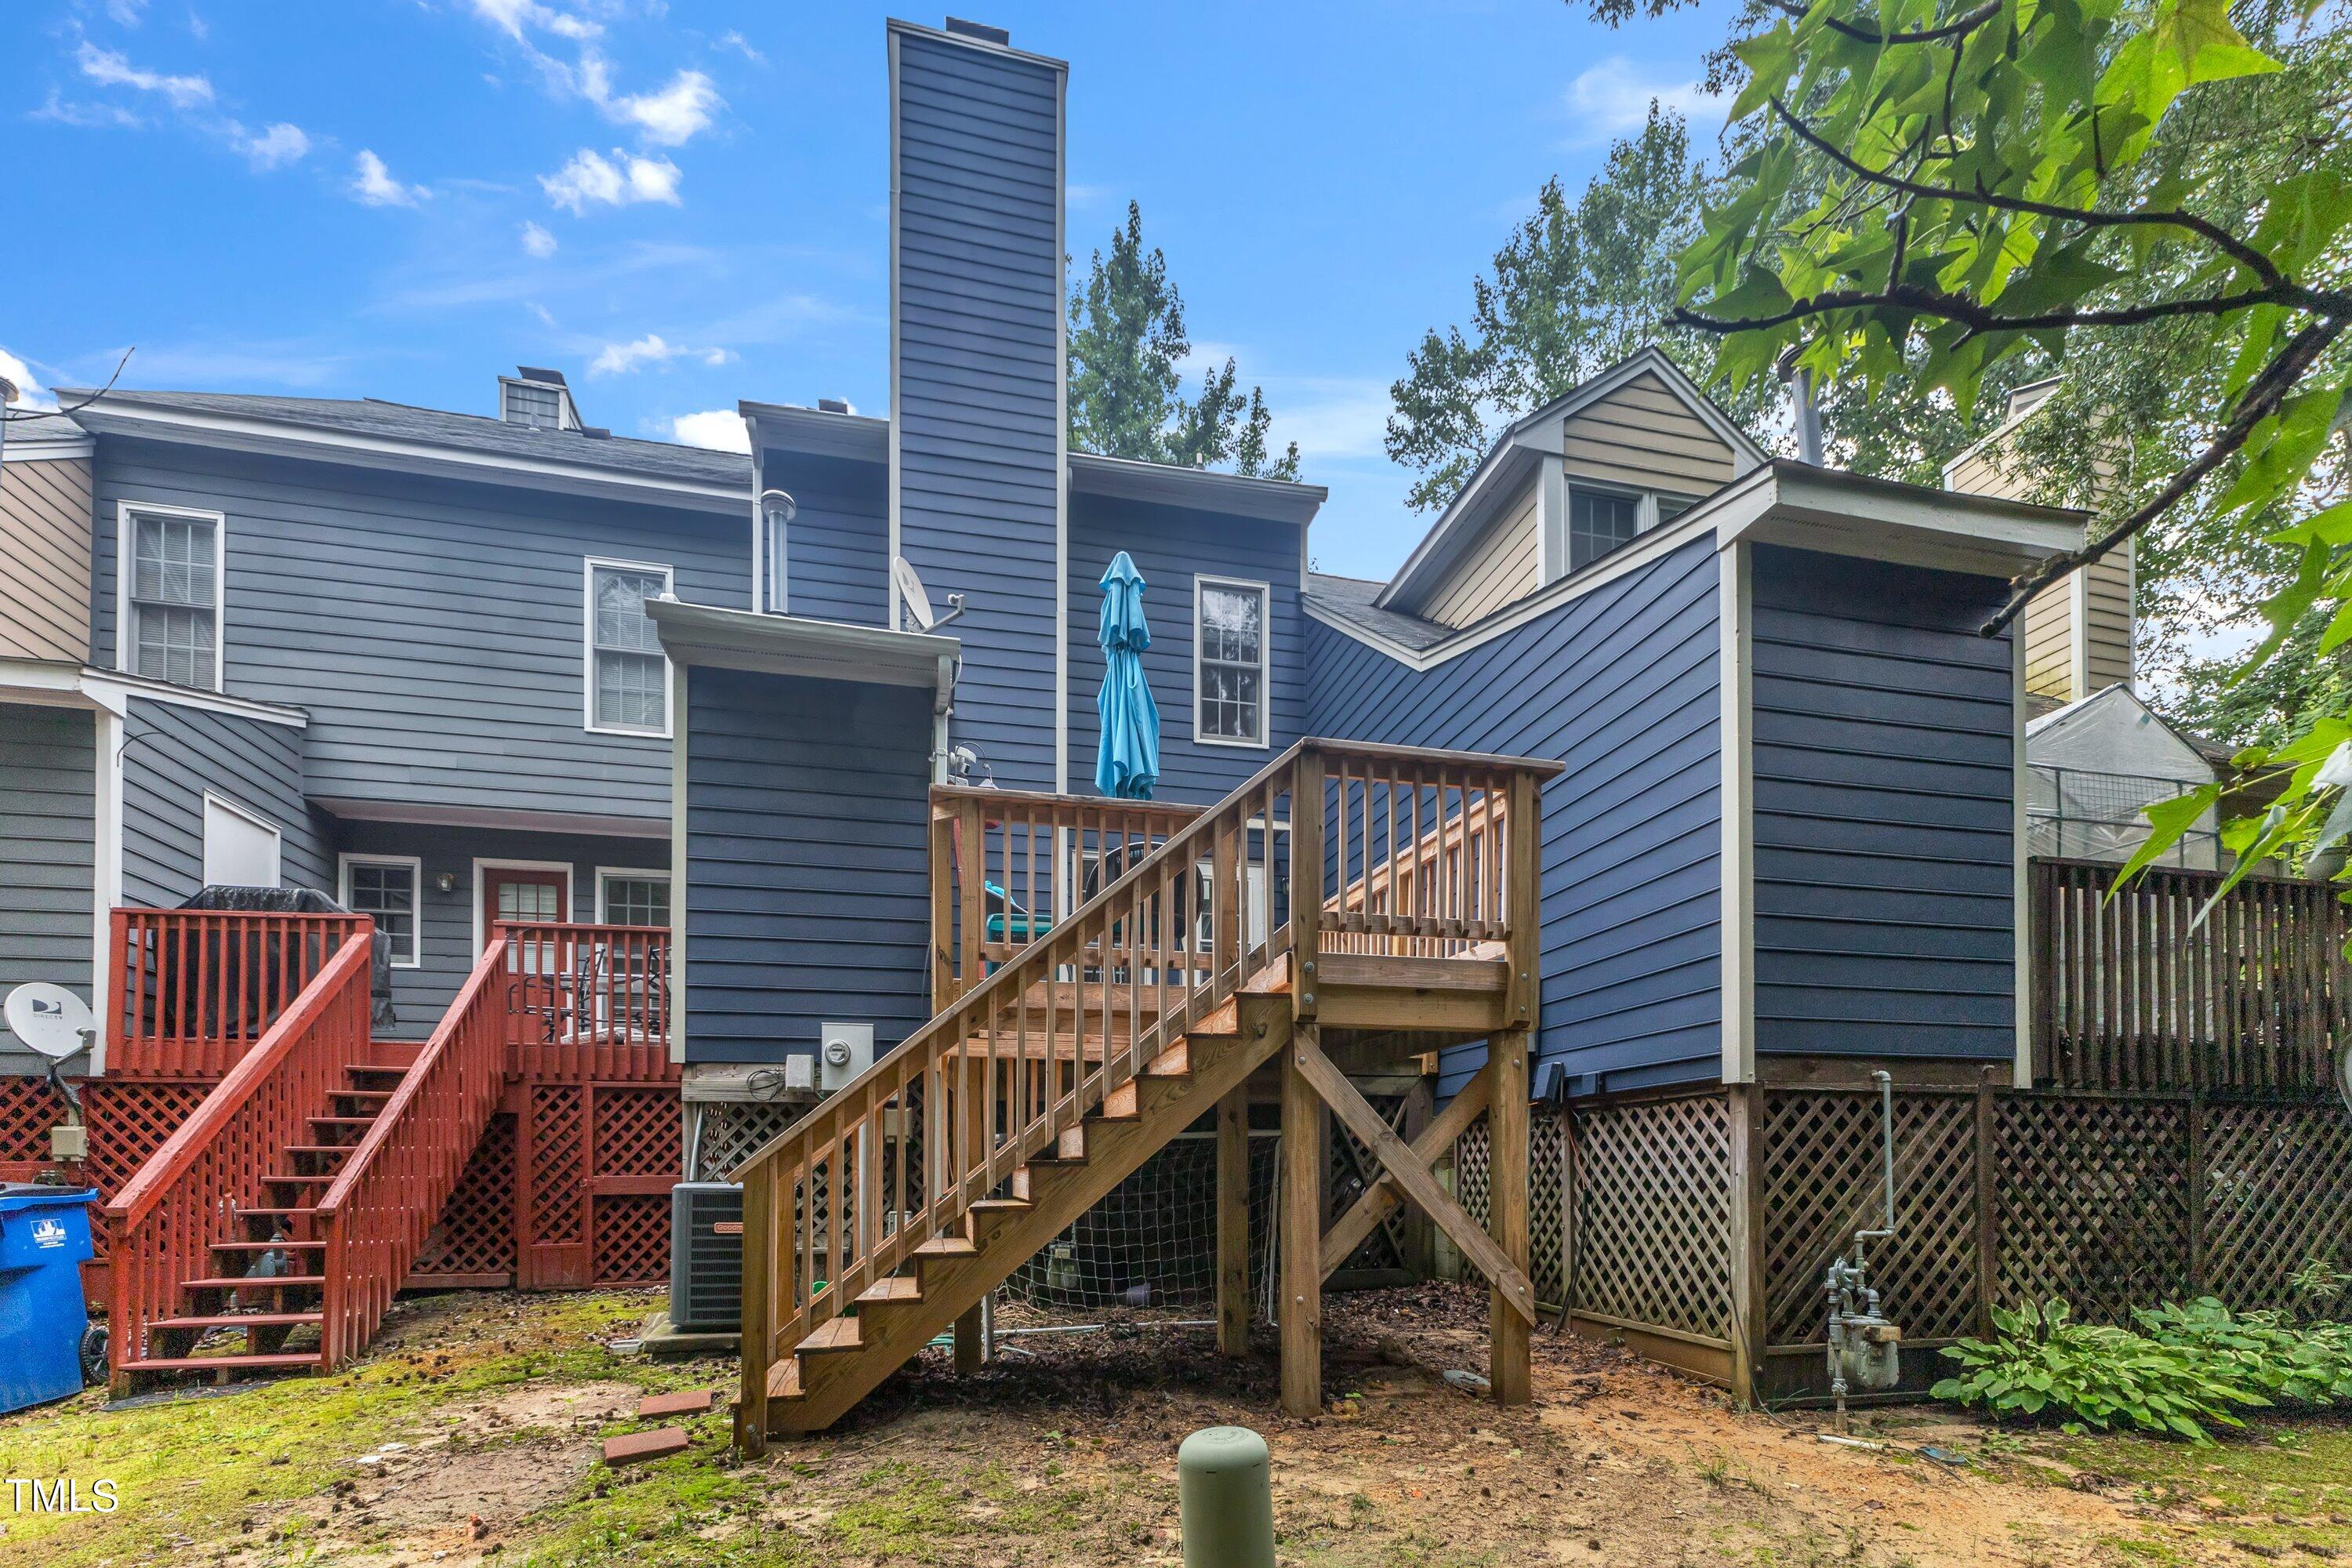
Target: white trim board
(1201, 583)
(589, 567)
(2020, 894)
(495, 863)
(106, 871)
(279, 439)
(1736, 868)
(37, 681)
(421, 815)
(124, 511)
(416, 866)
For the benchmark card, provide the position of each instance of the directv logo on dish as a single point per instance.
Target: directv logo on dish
(49, 1232)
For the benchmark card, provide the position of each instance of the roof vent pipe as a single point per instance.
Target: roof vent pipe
(1803, 409)
(833, 404)
(980, 30)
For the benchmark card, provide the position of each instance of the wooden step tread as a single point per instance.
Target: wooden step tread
(318, 1148)
(221, 1362)
(342, 1121)
(1000, 1205)
(947, 1246)
(277, 1214)
(240, 1320)
(898, 1288)
(262, 1248)
(833, 1335)
(254, 1283)
(303, 1178)
(785, 1379)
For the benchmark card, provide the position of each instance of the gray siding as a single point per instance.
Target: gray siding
(432, 629)
(47, 858)
(1882, 756)
(171, 757)
(807, 870)
(445, 927)
(1620, 685)
(1171, 545)
(976, 352)
(838, 551)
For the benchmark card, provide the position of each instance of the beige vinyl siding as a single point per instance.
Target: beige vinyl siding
(2053, 664)
(1644, 436)
(1499, 567)
(45, 538)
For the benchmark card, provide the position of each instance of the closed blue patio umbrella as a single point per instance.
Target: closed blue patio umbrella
(1126, 754)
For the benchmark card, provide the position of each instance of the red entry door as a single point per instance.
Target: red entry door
(513, 893)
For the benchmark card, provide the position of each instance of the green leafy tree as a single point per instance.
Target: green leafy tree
(2008, 179)
(1575, 288)
(1126, 400)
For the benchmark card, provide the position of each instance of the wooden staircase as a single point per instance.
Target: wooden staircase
(1359, 887)
(267, 1281)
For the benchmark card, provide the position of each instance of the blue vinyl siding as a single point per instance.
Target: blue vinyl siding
(1881, 764)
(808, 862)
(976, 355)
(431, 627)
(47, 856)
(1171, 546)
(1621, 686)
(446, 950)
(838, 551)
(172, 755)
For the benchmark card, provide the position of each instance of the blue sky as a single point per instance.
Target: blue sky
(683, 205)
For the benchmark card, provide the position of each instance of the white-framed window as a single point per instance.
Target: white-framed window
(1598, 522)
(169, 593)
(1232, 661)
(628, 897)
(624, 670)
(390, 890)
(241, 849)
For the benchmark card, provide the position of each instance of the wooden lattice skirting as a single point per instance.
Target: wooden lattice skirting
(1646, 1229)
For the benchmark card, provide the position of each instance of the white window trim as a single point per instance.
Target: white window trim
(277, 838)
(588, 568)
(481, 865)
(643, 873)
(124, 511)
(1201, 583)
(415, 866)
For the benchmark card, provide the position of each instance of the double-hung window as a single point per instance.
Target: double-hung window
(627, 673)
(169, 600)
(1598, 522)
(1230, 667)
(633, 898)
(386, 888)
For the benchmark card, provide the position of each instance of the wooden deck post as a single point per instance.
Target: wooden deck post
(758, 1310)
(1506, 1209)
(1301, 1240)
(1233, 1223)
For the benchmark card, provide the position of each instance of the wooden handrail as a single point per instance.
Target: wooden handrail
(1008, 1065)
(588, 1003)
(385, 1200)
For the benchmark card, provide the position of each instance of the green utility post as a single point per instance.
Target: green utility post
(1224, 1499)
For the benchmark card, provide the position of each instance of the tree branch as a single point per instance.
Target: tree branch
(2259, 400)
(1977, 317)
(1957, 25)
(2221, 239)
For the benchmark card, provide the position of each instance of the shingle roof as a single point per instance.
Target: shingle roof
(434, 427)
(1350, 599)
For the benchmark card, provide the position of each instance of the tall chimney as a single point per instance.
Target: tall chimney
(978, 502)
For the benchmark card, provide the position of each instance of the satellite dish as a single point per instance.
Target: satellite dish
(50, 1019)
(909, 587)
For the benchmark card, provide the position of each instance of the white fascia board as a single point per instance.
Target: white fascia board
(274, 438)
(86, 686)
(797, 645)
(28, 450)
(421, 814)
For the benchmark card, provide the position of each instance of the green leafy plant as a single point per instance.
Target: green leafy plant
(2043, 1361)
(2260, 1350)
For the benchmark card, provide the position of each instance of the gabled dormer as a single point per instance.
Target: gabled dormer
(1630, 447)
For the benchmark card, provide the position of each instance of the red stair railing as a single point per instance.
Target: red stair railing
(389, 1194)
(194, 989)
(587, 1002)
(163, 1224)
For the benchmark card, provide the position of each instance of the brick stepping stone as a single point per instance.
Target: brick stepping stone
(659, 1443)
(692, 1401)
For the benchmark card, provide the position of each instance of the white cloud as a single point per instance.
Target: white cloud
(670, 118)
(1332, 418)
(112, 70)
(282, 143)
(372, 184)
(1611, 99)
(720, 429)
(85, 115)
(512, 16)
(590, 179)
(731, 39)
(129, 12)
(537, 241)
(618, 359)
(29, 393)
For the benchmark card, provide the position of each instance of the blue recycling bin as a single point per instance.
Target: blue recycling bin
(43, 1237)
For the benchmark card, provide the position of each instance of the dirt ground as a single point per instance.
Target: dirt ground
(470, 1436)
